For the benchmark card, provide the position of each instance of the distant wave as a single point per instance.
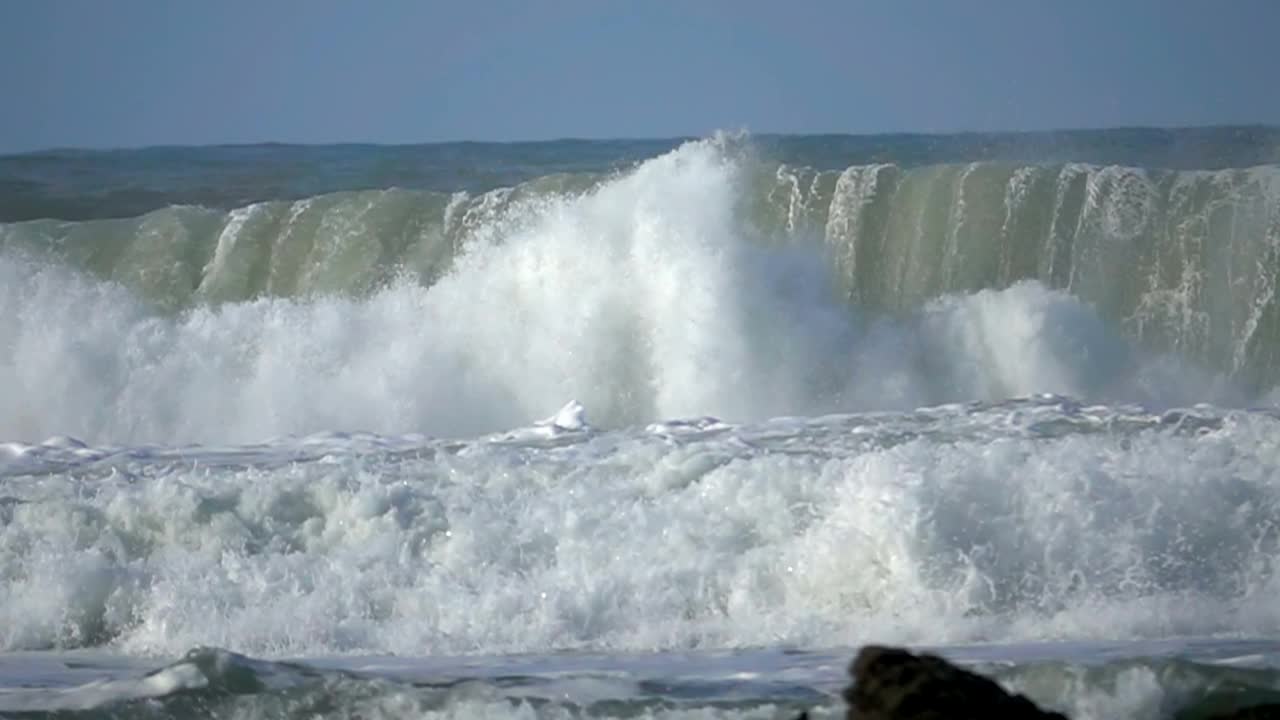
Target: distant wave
(99, 184)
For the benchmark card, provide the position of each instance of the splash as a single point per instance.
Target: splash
(645, 298)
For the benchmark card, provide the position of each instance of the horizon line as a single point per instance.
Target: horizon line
(53, 149)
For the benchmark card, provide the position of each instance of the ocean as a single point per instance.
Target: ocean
(639, 429)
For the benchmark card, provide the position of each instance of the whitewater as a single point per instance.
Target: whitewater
(666, 435)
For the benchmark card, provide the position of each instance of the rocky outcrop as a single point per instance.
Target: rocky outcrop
(1269, 711)
(893, 684)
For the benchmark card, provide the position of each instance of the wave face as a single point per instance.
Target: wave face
(1179, 262)
(1184, 262)
(646, 297)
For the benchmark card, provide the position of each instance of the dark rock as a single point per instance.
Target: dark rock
(1268, 711)
(893, 684)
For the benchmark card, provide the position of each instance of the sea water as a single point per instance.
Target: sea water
(655, 429)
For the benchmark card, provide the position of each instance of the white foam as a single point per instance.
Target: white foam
(103, 692)
(647, 302)
(645, 299)
(570, 417)
(1033, 520)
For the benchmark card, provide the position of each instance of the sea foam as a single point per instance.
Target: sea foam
(646, 298)
(1027, 520)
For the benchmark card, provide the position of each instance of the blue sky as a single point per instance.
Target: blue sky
(91, 73)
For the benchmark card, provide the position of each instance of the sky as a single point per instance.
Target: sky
(89, 73)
